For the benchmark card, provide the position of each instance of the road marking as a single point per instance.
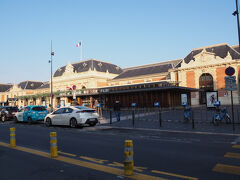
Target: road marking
(116, 164)
(232, 155)
(68, 154)
(136, 168)
(93, 159)
(227, 169)
(236, 146)
(85, 164)
(175, 175)
(175, 131)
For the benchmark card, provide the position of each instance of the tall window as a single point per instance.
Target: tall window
(206, 84)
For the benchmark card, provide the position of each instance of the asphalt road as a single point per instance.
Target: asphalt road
(163, 154)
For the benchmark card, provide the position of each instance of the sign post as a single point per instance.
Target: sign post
(74, 87)
(230, 85)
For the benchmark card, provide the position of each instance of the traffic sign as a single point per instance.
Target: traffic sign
(229, 71)
(230, 83)
(74, 87)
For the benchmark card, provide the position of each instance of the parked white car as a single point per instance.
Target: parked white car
(72, 116)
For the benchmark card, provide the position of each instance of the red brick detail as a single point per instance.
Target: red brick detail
(220, 77)
(158, 79)
(30, 92)
(190, 76)
(176, 76)
(138, 81)
(101, 84)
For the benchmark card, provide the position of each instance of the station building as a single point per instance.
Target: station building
(200, 72)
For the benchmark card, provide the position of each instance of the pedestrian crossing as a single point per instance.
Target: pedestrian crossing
(230, 168)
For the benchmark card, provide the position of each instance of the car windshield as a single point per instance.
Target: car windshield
(85, 109)
(13, 109)
(39, 108)
(82, 108)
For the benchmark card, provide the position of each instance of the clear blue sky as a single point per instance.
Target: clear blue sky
(123, 32)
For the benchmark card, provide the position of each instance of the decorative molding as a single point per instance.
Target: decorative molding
(205, 59)
(69, 69)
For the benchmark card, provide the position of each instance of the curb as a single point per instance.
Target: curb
(171, 131)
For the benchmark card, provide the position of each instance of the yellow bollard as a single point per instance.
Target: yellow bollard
(128, 154)
(53, 144)
(12, 137)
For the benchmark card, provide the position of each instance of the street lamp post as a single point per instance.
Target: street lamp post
(234, 14)
(51, 90)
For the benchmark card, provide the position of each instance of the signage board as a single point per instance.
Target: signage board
(211, 97)
(184, 99)
(230, 83)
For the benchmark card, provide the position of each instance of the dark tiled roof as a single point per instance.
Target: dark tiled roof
(92, 64)
(148, 69)
(5, 87)
(29, 84)
(235, 47)
(44, 85)
(220, 50)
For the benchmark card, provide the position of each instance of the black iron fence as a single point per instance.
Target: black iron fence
(198, 115)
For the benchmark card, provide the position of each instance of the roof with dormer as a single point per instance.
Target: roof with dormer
(5, 87)
(221, 50)
(90, 64)
(30, 84)
(45, 85)
(236, 48)
(149, 69)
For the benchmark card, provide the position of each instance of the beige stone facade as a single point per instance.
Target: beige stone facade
(209, 63)
(91, 75)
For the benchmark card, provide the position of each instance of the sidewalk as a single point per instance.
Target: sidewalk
(142, 122)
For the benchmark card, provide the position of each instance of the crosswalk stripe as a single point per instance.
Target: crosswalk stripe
(223, 168)
(232, 155)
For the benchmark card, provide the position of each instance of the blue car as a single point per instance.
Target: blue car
(31, 114)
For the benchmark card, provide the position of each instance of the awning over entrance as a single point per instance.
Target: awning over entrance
(12, 99)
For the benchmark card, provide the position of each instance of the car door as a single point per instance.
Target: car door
(19, 115)
(26, 113)
(66, 116)
(56, 116)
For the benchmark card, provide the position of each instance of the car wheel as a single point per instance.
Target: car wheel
(73, 123)
(48, 122)
(29, 120)
(92, 124)
(15, 119)
(3, 118)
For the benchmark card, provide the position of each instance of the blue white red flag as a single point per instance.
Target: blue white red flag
(78, 44)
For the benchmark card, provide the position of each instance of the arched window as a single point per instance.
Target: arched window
(206, 82)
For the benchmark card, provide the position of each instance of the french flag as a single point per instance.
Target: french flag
(78, 44)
